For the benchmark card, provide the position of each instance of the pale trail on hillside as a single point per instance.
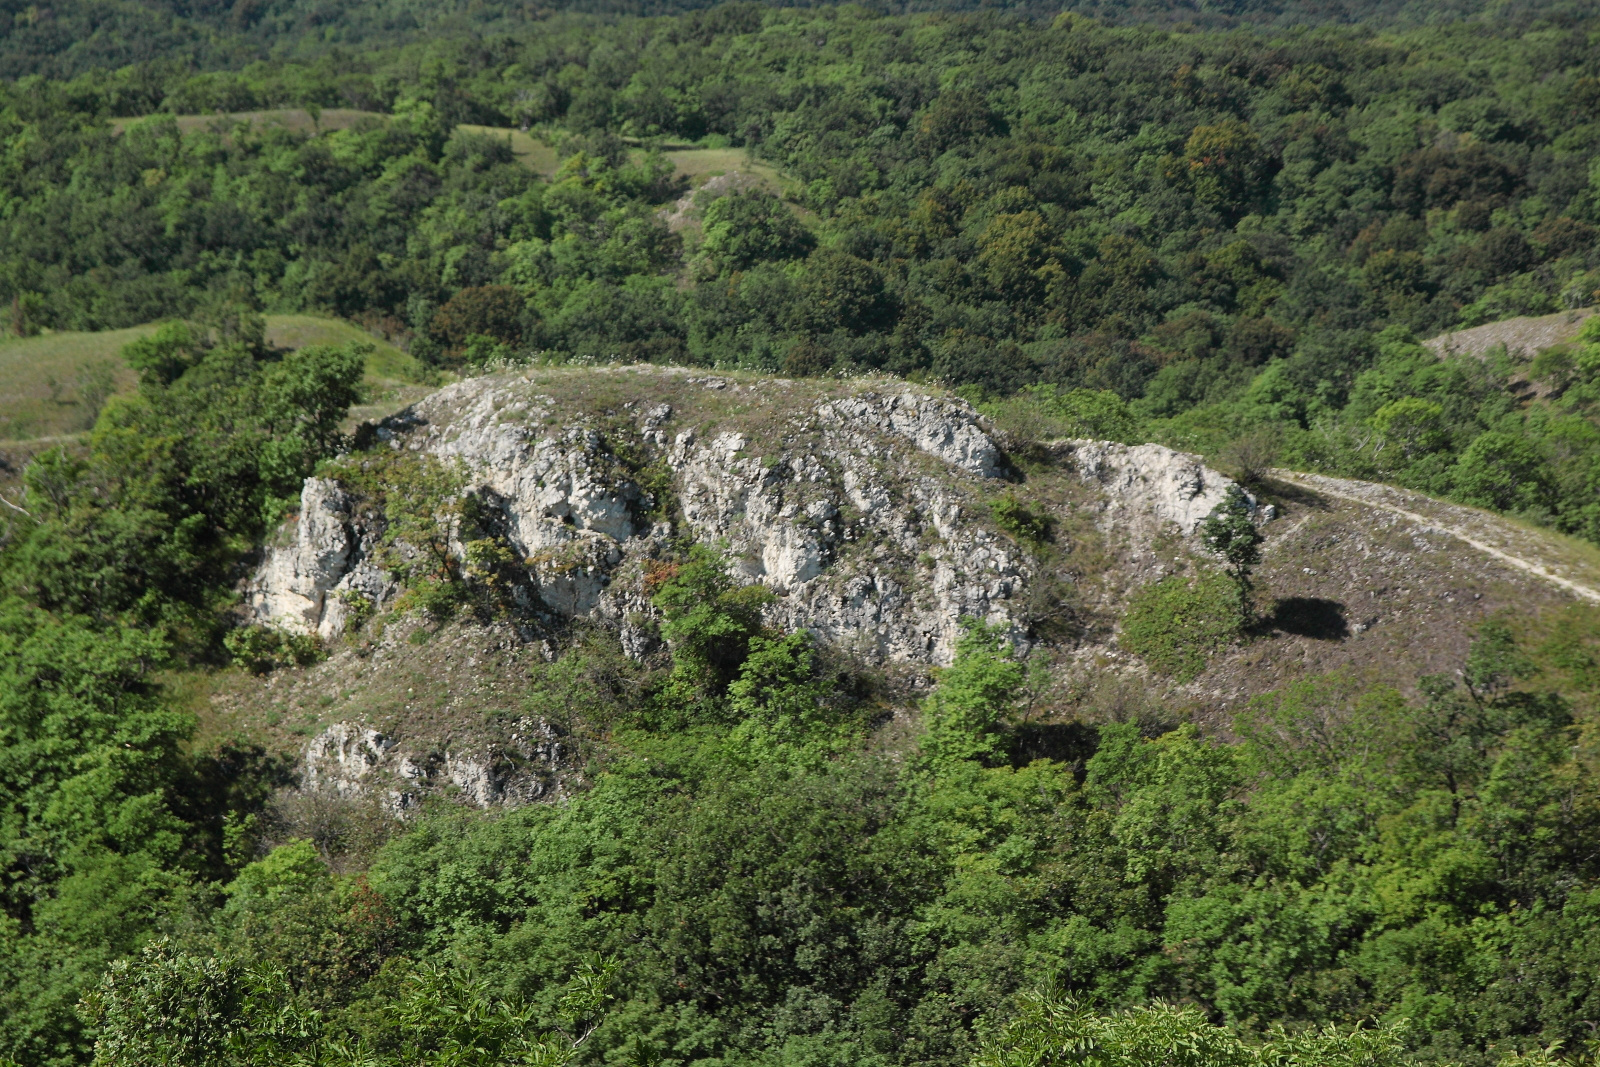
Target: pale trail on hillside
(1470, 526)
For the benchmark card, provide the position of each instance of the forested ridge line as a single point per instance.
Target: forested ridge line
(72, 36)
(1239, 234)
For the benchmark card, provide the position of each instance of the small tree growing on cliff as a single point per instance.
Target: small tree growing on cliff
(965, 715)
(1230, 532)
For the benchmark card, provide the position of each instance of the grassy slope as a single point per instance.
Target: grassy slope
(534, 153)
(30, 409)
(39, 396)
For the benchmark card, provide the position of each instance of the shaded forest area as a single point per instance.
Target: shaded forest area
(70, 37)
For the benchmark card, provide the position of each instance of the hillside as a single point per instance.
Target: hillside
(1524, 337)
(1219, 227)
(871, 511)
(595, 642)
(874, 515)
(653, 534)
(692, 163)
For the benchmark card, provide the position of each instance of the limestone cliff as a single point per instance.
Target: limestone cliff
(879, 514)
(864, 509)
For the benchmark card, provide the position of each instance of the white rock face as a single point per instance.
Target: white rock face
(865, 514)
(944, 428)
(309, 584)
(350, 761)
(1154, 481)
(341, 759)
(785, 526)
(292, 586)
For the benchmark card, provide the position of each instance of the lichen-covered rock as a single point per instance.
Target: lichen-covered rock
(348, 760)
(339, 760)
(575, 515)
(867, 514)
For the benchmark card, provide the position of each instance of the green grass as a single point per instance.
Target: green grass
(535, 154)
(386, 365)
(42, 378)
(696, 164)
(39, 380)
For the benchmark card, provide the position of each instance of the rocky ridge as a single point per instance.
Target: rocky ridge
(863, 507)
(874, 512)
(866, 515)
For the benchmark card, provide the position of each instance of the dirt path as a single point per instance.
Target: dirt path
(1490, 534)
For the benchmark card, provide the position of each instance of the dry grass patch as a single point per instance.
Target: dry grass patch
(1523, 336)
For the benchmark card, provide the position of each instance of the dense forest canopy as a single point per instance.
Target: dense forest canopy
(1229, 239)
(1231, 231)
(69, 37)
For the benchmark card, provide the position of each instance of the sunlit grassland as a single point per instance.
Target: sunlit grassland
(48, 383)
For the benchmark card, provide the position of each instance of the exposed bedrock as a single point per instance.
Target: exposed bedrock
(865, 513)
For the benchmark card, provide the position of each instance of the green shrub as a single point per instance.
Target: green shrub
(260, 649)
(709, 622)
(1012, 516)
(174, 1009)
(1176, 624)
(1230, 532)
(750, 227)
(1046, 1025)
(1094, 413)
(429, 508)
(965, 715)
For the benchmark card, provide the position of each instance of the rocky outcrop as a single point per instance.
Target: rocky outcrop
(348, 761)
(1151, 482)
(865, 513)
(308, 584)
(940, 427)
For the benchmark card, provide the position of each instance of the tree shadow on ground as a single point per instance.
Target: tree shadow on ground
(1306, 616)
